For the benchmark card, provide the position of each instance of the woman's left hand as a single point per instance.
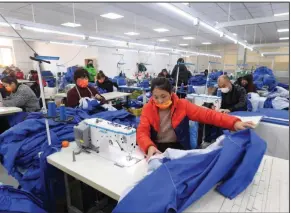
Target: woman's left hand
(239, 125)
(98, 97)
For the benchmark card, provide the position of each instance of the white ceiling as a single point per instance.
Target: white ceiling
(144, 17)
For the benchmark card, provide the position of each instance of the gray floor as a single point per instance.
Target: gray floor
(5, 179)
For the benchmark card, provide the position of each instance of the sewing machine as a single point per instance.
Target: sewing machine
(109, 140)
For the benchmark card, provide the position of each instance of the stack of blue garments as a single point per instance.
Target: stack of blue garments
(212, 78)
(70, 74)
(262, 76)
(144, 84)
(197, 80)
(24, 147)
(148, 95)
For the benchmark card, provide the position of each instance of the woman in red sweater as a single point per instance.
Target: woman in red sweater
(82, 90)
(164, 122)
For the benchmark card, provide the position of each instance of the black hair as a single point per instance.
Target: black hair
(180, 60)
(90, 60)
(80, 73)
(9, 80)
(100, 75)
(161, 83)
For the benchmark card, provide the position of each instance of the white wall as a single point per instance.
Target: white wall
(21, 55)
(106, 58)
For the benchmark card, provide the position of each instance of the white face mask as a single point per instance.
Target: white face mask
(224, 90)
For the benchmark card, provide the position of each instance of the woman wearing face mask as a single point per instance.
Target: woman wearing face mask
(104, 83)
(20, 95)
(91, 70)
(164, 122)
(82, 90)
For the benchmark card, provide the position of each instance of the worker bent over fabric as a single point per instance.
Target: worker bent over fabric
(82, 89)
(164, 122)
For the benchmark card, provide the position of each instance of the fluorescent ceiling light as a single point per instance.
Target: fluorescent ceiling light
(161, 30)
(262, 55)
(282, 30)
(3, 24)
(178, 11)
(112, 16)
(105, 39)
(250, 48)
(186, 4)
(188, 38)
(163, 40)
(69, 44)
(206, 43)
(211, 28)
(230, 38)
(162, 53)
(281, 14)
(242, 44)
(143, 45)
(234, 34)
(163, 48)
(183, 44)
(129, 50)
(53, 32)
(284, 38)
(70, 24)
(131, 33)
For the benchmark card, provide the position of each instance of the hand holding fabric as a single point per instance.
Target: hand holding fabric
(243, 125)
(98, 97)
(224, 110)
(152, 150)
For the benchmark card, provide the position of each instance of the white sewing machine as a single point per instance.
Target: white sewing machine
(112, 141)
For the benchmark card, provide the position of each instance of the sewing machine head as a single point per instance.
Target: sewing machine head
(82, 135)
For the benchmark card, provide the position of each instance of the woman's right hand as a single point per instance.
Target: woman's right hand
(152, 150)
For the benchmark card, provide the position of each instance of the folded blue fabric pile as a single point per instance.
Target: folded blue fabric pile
(148, 95)
(212, 78)
(197, 80)
(24, 147)
(264, 77)
(15, 200)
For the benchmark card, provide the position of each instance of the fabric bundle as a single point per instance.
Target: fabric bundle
(178, 181)
(212, 78)
(197, 80)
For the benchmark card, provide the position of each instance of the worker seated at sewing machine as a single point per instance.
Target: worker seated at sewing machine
(20, 95)
(104, 83)
(82, 89)
(164, 122)
(247, 83)
(233, 97)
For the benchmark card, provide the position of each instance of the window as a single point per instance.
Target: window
(6, 58)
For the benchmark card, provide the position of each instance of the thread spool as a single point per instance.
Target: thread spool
(52, 109)
(63, 116)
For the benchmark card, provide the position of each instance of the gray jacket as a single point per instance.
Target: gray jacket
(23, 98)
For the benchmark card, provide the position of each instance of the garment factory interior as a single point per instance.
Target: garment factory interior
(144, 107)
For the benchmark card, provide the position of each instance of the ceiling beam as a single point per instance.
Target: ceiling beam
(252, 21)
(281, 44)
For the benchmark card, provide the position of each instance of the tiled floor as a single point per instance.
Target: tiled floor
(5, 179)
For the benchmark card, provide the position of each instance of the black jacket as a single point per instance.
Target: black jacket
(184, 74)
(107, 85)
(234, 100)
